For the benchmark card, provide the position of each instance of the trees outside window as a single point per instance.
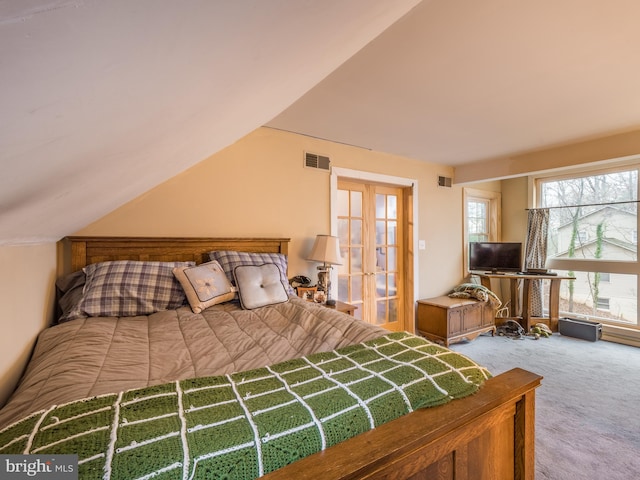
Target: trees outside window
(593, 235)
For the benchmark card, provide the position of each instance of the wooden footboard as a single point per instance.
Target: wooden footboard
(489, 435)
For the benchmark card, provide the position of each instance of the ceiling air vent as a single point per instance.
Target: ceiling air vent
(319, 162)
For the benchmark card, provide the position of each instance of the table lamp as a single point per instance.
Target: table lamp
(326, 250)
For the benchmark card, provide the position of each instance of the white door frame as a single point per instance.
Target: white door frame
(378, 178)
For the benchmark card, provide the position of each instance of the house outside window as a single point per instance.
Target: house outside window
(593, 236)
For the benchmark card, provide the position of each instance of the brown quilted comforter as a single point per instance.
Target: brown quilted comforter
(93, 356)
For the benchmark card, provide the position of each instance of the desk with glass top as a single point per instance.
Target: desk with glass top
(525, 318)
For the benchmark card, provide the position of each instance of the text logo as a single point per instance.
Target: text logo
(49, 467)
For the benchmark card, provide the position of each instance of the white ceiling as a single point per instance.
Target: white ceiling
(104, 99)
(458, 81)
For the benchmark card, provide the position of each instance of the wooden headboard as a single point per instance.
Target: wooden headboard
(77, 252)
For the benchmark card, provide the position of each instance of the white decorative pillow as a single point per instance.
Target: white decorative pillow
(230, 259)
(259, 286)
(205, 285)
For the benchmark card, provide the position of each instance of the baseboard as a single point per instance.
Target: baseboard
(626, 336)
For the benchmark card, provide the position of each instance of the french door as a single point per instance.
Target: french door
(370, 229)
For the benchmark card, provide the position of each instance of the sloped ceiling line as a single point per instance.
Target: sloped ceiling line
(103, 100)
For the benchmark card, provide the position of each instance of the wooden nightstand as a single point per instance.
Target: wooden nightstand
(343, 307)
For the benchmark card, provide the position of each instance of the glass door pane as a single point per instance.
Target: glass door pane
(386, 276)
(351, 284)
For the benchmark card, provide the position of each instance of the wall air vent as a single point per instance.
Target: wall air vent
(319, 162)
(444, 181)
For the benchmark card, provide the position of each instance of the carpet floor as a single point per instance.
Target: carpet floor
(587, 408)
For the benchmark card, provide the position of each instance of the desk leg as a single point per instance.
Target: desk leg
(513, 286)
(526, 288)
(554, 304)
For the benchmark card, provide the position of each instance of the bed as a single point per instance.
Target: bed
(236, 350)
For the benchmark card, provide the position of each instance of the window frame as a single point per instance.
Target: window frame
(494, 220)
(586, 265)
(583, 236)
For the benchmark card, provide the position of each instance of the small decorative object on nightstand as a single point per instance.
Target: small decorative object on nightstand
(308, 293)
(327, 251)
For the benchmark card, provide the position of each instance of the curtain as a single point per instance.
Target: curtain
(536, 254)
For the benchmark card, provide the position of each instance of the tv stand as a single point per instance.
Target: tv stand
(524, 317)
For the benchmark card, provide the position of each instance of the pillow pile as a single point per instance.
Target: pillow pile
(126, 288)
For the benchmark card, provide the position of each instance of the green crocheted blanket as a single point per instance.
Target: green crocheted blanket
(249, 423)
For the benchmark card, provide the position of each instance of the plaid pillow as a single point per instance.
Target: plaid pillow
(126, 288)
(230, 259)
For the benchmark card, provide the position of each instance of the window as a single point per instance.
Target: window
(603, 304)
(592, 217)
(481, 218)
(593, 226)
(478, 220)
(583, 237)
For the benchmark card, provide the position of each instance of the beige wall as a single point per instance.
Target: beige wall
(259, 187)
(26, 296)
(515, 195)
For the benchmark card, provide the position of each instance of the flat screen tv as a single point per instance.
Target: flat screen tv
(495, 256)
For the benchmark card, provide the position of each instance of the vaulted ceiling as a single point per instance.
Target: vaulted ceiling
(103, 99)
(460, 81)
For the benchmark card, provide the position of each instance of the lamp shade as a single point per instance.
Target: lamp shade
(326, 250)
